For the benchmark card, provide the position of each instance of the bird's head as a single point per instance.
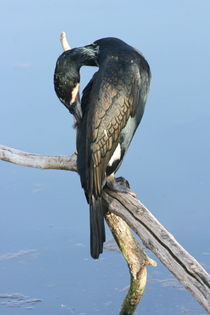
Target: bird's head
(67, 76)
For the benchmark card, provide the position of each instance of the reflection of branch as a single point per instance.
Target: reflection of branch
(154, 236)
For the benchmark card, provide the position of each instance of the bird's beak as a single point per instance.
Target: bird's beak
(75, 109)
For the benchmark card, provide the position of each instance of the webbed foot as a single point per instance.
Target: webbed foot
(120, 184)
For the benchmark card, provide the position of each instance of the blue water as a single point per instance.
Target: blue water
(44, 232)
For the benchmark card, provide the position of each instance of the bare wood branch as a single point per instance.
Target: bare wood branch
(136, 259)
(38, 161)
(154, 236)
(64, 42)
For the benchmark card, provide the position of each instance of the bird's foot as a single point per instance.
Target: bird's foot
(120, 184)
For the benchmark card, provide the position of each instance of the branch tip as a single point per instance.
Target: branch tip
(151, 262)
(64, 42)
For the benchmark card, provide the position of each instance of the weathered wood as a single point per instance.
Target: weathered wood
(163, 244)
(37, 160)
(136, 259)
(64, 43)
(154, 236)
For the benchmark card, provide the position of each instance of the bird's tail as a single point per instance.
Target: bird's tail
(97, 229)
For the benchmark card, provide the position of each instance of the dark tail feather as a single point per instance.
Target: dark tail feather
(97, 229)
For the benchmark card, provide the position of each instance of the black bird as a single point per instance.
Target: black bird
(111, 109)
(67, 76)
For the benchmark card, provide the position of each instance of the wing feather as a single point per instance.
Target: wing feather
(109, 101)
(105, 133)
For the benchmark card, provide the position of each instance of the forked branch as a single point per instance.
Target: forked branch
(125, 210)
(153, 235)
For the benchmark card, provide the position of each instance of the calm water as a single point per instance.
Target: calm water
(44, 251)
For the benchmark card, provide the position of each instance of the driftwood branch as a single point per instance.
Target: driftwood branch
(163, 244)
(154, 236)
(64, 43)
(38, 161)
(136, 259)
(125, 211)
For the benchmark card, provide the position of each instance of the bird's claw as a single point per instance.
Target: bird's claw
(120, 184)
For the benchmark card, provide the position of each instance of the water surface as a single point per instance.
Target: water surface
(44, 254)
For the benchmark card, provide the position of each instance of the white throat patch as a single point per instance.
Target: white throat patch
(74, 93)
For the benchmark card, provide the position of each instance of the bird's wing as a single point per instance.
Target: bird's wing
(113, 102)
(108, 101)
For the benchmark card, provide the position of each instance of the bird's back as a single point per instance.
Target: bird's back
(115, 94)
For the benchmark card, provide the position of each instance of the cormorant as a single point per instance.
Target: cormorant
(111, 109)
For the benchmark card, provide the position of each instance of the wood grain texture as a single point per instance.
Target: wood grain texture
(153, 235)
(12, 155)
(163, 244)
(136, 259)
